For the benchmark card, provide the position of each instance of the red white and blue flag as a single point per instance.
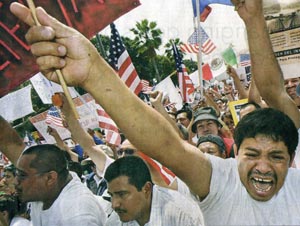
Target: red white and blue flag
(185, 83)
(207, 45)
(146, 86)
(54, 118)
(120, 60)
(105, 122)
(245, 60)
(189, 48)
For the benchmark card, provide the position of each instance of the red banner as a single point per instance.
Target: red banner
(88, 16)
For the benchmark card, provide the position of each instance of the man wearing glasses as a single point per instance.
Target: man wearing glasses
(57, 196)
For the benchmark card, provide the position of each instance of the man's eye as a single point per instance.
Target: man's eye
(278, 157)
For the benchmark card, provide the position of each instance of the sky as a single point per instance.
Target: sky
(175, 19)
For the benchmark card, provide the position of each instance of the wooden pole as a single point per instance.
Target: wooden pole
(58, 72)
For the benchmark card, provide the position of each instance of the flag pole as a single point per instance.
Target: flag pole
(199, 55)
(58, 72)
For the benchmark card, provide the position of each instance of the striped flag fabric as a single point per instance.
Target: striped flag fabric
(53, 117)
(167, 175)
(146, 86)
(185, 83)
(245, 60)
(207, 45)
(120, 60)
(105, 122)
(189, 48)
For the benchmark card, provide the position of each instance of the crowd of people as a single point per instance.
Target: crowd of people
(189, 166)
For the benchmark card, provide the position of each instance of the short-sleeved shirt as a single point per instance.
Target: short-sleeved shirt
(228, 202)
(169, 208)
(75, 206)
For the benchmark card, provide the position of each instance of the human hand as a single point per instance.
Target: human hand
(156, 99)
(52, 131)
(231, 72)
(248, 9)
(57, 46)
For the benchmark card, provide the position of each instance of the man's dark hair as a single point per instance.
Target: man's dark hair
(187, 109)
(131, 166)
(268, 122)
(256, 105)
(48, 157)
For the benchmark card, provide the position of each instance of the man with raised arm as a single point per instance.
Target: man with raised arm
(253, 189)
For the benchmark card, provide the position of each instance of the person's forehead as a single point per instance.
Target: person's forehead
(297, 79)
(23, 163)
(264, 144)
(208, 144)
(205, 121)
(118, 184)
(181, 115)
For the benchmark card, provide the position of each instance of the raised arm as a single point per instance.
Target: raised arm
(156, 102)
(11, 144)
(81, 65)
(265, 68)
(60, 143)
(82, 137)
(237, 83)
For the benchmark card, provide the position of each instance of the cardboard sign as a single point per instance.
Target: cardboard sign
(17, 64)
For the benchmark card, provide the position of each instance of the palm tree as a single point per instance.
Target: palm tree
(147, 40)
(169, 49)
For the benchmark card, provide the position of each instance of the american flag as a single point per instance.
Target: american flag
(120, 60)
(53, 117)
(105, 122)
(167, 175)
(245, 60)
(189, 48)
(146, 86)
(185, 83)
(207, 46)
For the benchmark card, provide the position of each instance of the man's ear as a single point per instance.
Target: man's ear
(292, 163)
(147, 188)
(235, 150)
(52, 178)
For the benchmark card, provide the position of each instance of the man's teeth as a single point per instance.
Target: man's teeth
(263, 180)
(262, 185)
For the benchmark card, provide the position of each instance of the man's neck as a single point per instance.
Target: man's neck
(53, 195)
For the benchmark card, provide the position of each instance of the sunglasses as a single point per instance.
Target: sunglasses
(126, 151)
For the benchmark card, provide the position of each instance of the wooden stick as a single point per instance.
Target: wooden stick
(58, 71)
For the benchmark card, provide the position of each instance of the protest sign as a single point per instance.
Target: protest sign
(17, 64)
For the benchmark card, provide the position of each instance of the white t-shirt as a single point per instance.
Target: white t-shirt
(169, 208)
(75, 206)
(229, 203)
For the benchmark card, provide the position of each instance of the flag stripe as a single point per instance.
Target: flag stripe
(207, 45)
(120, 60)
(167, 175)
(105, 122)
(53, 117)
(185, 83)
(189, 48)
(113, 137)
